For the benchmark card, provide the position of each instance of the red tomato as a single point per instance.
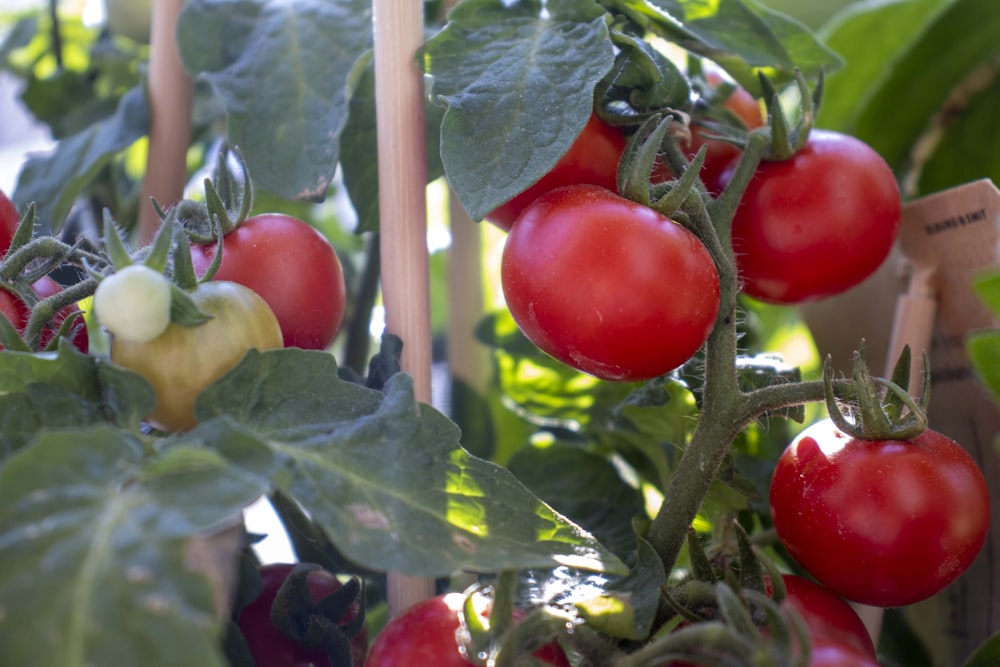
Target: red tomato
(592, 159)
(827, 616)
(427, 635)
(881, 522)
(18, 313)
(718, 154)
(292, 267)
(269, 647)
(9, 219)
(817, 224)
(608, 286)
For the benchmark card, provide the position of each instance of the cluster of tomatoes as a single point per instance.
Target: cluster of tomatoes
(279, 284)
(612, 288)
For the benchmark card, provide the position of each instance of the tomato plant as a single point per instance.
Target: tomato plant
(816, 224)
(292, 266)
(428, 634)
(608, 286)
(592, 159)
(182, 361)
(271, 647)
(881, 522)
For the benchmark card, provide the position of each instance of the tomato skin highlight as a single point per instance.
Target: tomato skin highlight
(608, 286)
(271, 648)
(817, 224)
(591, 159)
(183, 361)
(292, 266)
(881, 522)
(427, 635)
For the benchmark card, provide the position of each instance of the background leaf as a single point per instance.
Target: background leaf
(53, 180)
(284, 72)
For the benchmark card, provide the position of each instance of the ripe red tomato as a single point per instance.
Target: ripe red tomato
(826, 615)
(817, 224)
(592, 159)
(9, 220)
(271, 648)
(292, 267)
(427, 635)
(718, 154)
(880, 522)
(18, 313)
(608, 286)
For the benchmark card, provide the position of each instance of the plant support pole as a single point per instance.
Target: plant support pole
(170, 93)
(402, 182)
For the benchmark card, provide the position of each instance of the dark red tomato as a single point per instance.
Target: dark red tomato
(827, 653)
(608, 286)
(718, 154)
(817, 224)
(591, 159)
(9, 219)
(427, 635)
(293, 267)
(269, 647)
(826, 615)
(880, 522)
(18, 313)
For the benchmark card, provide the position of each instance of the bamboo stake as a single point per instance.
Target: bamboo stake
(403, 223)
(170, 93)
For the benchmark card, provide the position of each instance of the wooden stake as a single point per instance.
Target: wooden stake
(170, 93)
(402, 183)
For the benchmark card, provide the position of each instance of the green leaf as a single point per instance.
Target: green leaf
(872, 36)
(284, 72)
(106, 562)
(755, 34)
(594, 495)
(387, 478)
(921, 78)
(983, 348)
(986, 655)
(53, 180)
(628, 605)
(43, 392)
(518, 86)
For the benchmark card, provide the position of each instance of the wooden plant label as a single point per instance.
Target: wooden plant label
(947, 239)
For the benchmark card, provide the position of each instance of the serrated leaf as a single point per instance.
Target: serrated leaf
(284, 72)
(50, 391)
(113, 552)
(53, 180)
(518, 86)
(387, 479)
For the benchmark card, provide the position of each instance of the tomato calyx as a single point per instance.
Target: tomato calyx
(227, 204)
(881, 408)
(786, 139)
(316, 625)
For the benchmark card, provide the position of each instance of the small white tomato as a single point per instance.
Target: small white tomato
(134, 304)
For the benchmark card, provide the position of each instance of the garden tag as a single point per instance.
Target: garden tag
(946, 240)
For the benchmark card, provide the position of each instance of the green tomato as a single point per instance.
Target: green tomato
(183, 361)
(133, 304)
